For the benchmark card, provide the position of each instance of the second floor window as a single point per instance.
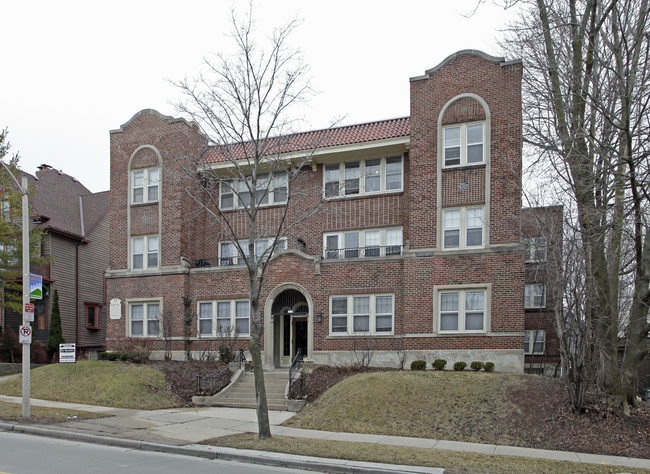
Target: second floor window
(230, 255)
(363, 243)
(357, 178)
(144, 252)
(145, 185)
(270, 189)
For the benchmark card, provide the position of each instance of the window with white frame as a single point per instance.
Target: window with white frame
(226, 318)
(463, 144)
(463, 227)
(144, 252)
(535, 249)
(230, 255)
(361, 314)
(271, 188)
(535, 295)
(144, 319)
(461, 310)
(363, 243)
(364, 177)
(534, 342)
(145, 185)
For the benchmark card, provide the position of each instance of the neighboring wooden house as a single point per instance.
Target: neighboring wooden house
(76, 239)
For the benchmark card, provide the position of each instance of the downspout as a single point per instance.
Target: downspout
(76, 271)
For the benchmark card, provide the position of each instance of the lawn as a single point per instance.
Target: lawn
(98, 383)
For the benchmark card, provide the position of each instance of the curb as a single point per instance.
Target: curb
(230, 454)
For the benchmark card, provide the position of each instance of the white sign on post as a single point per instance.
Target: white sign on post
(25, 334)
(67, 353)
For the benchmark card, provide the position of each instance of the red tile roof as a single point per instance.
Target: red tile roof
(316, 139)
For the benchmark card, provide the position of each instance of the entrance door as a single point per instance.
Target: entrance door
(299, 337)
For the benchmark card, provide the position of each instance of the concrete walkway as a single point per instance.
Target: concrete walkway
(179, 429)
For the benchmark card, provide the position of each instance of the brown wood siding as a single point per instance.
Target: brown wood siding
(93, 262)
(63, 273)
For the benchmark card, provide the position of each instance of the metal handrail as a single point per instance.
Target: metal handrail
(208, 385)
(364, 252)
(296, 378)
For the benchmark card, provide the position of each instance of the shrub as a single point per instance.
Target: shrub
(226, 354)
(37, 353)
(460, 366)
(439, 364)
(55, 334)
(10, 348)
(134, 350)
(419, 365)
(476, 365)
(112, 356)
(488, 366)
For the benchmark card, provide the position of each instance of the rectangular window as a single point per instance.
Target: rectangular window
(93, 316)
(373, 176)
(145, 185)
(224, 318)
(145, 319)
(464, 144)
(370, 314)
(463, 228)
(534, 296)
(461, 310)
(270, 189)
(227, 192)
(534, 342)
(229, 254)
(363, 243)
(535, 249)
(144, 252)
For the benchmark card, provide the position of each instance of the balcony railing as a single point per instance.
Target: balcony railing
(364, 252)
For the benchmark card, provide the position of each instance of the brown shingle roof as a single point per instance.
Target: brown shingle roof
(346, 135)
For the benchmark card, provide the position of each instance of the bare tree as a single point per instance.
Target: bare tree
(244, 104)
(586, 118)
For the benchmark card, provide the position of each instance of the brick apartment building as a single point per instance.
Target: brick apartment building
(416, 244)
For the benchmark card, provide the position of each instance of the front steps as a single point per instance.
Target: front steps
(242, 393)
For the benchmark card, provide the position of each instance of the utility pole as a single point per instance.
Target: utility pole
(24, 191)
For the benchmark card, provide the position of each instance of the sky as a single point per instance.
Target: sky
(74, 70)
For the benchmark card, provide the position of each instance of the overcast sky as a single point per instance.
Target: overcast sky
(74, 70)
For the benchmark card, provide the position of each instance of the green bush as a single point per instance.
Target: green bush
(460, 366)
(476, 365)
(439, 364)
(488, 366)
(134, 350)
(419, 365)
(111, 356)
(226, 354)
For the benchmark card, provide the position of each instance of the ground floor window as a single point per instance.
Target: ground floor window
(534, 341)
(225, 318)
(362, 314)
(93, 316)
(144, 319)
(461, 310)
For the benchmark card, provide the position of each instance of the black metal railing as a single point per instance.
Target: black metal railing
(208, 385)
(296, 378)
(364, 252)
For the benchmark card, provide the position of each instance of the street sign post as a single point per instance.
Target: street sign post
(35, 286)
(28, 313)
(25, 334)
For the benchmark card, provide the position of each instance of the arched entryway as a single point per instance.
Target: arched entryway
(290, 321)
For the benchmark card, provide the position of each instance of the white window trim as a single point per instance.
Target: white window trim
(270, 195)
(463, 144)
(146, 185)
(233, 317)
(362, 243)
(145, 254)
(532, 335)
(373, 316)
(362, 176)
(145, 302)
(529, 296)
(462, 244)
(282, 245)
(533, 244)
(487, 302)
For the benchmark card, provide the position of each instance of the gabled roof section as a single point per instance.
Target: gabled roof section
(65, 204)
(167, 118)
(316, 139)
(475, 52)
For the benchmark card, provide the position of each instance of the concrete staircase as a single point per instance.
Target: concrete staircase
(242, 395)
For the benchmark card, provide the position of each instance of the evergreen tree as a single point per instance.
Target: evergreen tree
(55, 335)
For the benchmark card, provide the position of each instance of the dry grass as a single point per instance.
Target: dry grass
(14, 412)
(98, 383)
(451, 461)
(455, 406)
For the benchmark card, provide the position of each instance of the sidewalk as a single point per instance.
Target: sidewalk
(177, 430)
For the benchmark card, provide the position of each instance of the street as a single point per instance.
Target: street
(22, 454)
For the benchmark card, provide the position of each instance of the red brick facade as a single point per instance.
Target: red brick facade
(467, 88)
